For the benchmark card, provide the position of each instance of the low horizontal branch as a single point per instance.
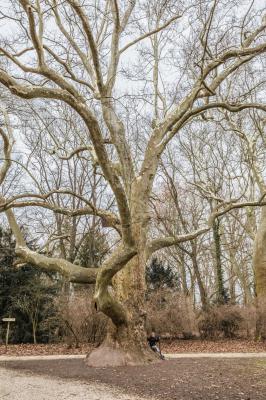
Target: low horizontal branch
(72, 272)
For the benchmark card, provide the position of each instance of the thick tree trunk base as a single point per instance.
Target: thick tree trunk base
(126, 339)
(261, 320)
(114, 355)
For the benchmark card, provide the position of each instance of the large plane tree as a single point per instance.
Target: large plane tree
(135, 72)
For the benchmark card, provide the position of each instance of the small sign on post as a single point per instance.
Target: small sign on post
(8, 320)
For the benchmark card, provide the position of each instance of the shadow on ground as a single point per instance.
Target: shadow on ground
(182, 379)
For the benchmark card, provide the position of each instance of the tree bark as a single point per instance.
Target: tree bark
(259, 262)
(184, 275)
(126, 342)
(221, 292)
(203, 294)
(34, 333)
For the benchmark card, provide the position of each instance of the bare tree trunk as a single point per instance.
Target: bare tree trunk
(232, 290)
(73, 233)
(184, 275)
(126, 343)
(34, 332)
(221, 292)
(259, 262)
(203, 294)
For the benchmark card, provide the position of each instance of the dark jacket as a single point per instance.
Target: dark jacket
(153, 340)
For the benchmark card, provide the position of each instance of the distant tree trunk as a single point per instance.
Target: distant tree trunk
(203, 294)
(232, 289)
(221, 292)
(184, 276)
(247, 295)
(72, 237)
(259, 262)
(34, 334)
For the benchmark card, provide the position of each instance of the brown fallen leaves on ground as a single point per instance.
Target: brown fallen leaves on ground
(43, 349)
(167, 346)
(213, 346)
(183, 379)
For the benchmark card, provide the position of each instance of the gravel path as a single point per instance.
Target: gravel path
(167, 356)
(20, 386)
(215, 355)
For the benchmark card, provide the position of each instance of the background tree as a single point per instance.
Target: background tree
(27, 294)
(159, 275)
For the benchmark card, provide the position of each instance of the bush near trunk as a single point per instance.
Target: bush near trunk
(221, 321)
(78, 319)
(170, 313)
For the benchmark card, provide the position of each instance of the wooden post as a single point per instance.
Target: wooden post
(7, 333)
(8, 320)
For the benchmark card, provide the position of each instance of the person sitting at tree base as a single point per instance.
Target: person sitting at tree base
(153, 340)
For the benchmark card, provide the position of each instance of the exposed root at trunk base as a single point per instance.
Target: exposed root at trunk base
(114, 355)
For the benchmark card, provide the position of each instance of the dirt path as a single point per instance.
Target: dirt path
(214, 355)
(167, 356)
(15, 385)
(178, 379)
